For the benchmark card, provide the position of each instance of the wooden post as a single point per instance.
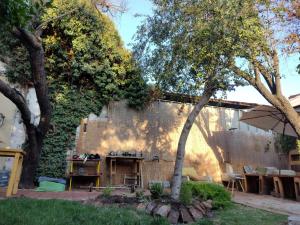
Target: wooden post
(13, 174)
(297, 187)
(18, 174)
(71, 177)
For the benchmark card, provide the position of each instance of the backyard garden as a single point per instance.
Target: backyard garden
(95, 130)
(109, 209)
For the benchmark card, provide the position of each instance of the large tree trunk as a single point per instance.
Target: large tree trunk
(31, 159)
(35, 135)
(177, 176)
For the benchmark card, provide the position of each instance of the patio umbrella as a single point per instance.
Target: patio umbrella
(268, 118)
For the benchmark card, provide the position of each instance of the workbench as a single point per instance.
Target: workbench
(16, 170)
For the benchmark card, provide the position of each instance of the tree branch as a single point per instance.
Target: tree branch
(16, 97)
(27, 38)
(37, 62)
(266, 75)
(277, 73)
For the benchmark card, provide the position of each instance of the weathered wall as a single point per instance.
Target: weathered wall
(12, 133)
(217, 136)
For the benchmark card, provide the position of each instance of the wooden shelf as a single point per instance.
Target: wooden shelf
(78, 175)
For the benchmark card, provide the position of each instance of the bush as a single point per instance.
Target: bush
(186, 193)
(140, 196)
(156, 190)
(107, 192)
(217, 193)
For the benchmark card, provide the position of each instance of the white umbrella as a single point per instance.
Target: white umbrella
(268, 118)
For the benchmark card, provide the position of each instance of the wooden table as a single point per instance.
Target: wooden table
(259, 184)
(138, 172)
(73, 172)
(16, 170)
(285, 186)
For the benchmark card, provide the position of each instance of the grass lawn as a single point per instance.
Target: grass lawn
(242, 215)
(23, 211)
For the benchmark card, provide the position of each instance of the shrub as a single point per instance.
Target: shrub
(186, 193)
(107, 192)
(156, 190)
(217, 193)
(140, 196)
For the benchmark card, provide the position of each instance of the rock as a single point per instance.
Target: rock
(154, 211)
(150, 207)
(207, 204)
(141, 206)
(185, 215)
(294, 220)
(173, 216)
(199, 206)
(163, 210)
(209, 201)
(196, 214)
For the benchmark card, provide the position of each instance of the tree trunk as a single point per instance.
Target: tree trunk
(35, 134)
(177, 176)
(31, 159)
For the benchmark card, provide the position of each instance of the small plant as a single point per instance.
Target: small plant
(217, 193)
(156, 190)
(107, 191)
(140, 196)
(186, 194)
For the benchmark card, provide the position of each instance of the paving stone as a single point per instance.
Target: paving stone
(294, 220)
(141, 206)
(185, 215)
(163, 210)
(150, 207)
(195, 213)
(200, 208)
(207, 204)
(173, 216)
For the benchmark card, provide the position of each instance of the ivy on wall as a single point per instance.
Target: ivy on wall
(87, 66)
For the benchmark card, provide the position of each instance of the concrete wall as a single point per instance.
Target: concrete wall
(216, 137)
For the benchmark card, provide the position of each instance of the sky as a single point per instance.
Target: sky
(127, 25)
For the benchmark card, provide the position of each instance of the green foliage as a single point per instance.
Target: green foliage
(140, 195)
(243, 215)
(284, 143)
(23, 14)
(15, 13)
(107, 191)
(186, 194)
(156, 190)
(186, 43)
(217, 193)
(86, 66)
(21, 211)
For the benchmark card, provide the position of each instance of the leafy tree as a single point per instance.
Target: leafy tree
(194, 46)
(85, 62)
(182, 59)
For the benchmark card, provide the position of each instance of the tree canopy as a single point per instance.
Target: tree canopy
(86, 66)
(184, 41)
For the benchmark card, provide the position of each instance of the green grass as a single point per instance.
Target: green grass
(242, 215)
(23, 211)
